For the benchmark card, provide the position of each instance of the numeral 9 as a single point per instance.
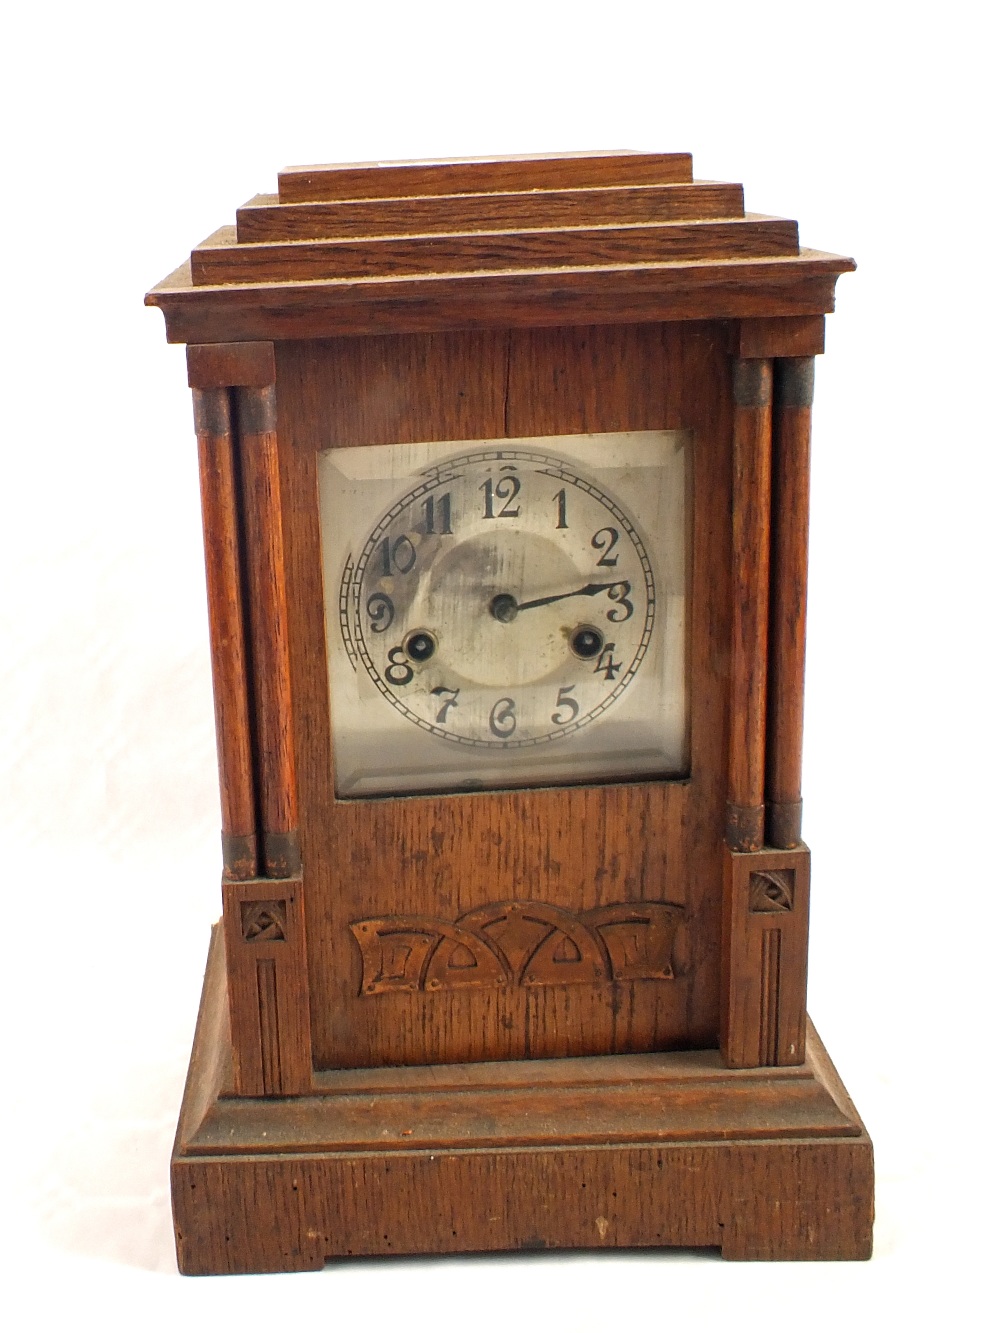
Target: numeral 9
(382, 612)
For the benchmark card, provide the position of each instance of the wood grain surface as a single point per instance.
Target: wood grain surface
(771, 1164)
(749, 1201)
(785, 285)
(552, 241)
(262, 529)
(268, 987)
(264, 218)
(765, 934)
(220, 507)
(539, 171)
(230, 365)
(789, 567)
(751, 462)
(221, 259)
(682, 1102)
(443, 856)
(782, 336)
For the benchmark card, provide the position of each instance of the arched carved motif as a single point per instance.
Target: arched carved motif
(518, 944)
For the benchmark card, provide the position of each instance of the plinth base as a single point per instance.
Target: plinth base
(595, 1153)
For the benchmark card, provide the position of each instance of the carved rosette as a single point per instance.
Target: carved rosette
(772, 890)
(263, 922)
(518, 944)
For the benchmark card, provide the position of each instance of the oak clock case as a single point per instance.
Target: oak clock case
(504, 471)
(519, 605)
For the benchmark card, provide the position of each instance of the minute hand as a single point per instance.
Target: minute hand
(588, 590)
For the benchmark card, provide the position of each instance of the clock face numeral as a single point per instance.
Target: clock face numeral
(605, 541)
(505, 490)
(503, 723)
(449, 700)
(381, 612)
(398, 672)
(439, 510)
(618, 592)
(606, 663)
(564, 700)
(399, 557)
(497, 628)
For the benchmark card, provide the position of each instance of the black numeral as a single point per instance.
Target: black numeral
(382, 612)
(506, 490)
(503, 723)
(560, 499)
(440, 512)
(399, 671)
(618, 592)
(449, 699)
(607, 663)
(398, 557)
(605, 541)
(563, 700)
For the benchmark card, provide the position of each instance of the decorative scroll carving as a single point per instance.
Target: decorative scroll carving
(518, 944)
(772, 890)
(263, 921)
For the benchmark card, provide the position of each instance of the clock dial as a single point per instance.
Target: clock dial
(507, 600)
(506, 612)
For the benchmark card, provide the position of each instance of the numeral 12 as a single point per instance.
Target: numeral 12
(505, 489)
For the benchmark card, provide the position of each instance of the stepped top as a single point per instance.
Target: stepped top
(596, 237)
(472, 175)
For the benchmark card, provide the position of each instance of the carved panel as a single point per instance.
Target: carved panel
(772, 890)
(263, 921)
(765, 920)
(518, 944)
(267, 986)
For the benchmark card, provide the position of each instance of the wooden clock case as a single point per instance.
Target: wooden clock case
(676, 1095)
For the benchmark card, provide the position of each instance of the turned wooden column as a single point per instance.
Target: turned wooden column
(271, 693)
(236, 421)
(751, 561)
(766, 887)
(793, 393)
(262, 894)
(223, 576)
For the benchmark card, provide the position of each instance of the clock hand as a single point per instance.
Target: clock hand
(588, 590)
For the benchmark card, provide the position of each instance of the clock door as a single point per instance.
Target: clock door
(514, 875)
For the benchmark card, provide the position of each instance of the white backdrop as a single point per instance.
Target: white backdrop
(134, 131)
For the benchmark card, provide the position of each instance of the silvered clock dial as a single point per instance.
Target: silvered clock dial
(505, 612)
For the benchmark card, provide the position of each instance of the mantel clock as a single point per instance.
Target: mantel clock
(504, 479)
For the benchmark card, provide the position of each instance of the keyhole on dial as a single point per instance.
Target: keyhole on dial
(420, 646)
(587, 642)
